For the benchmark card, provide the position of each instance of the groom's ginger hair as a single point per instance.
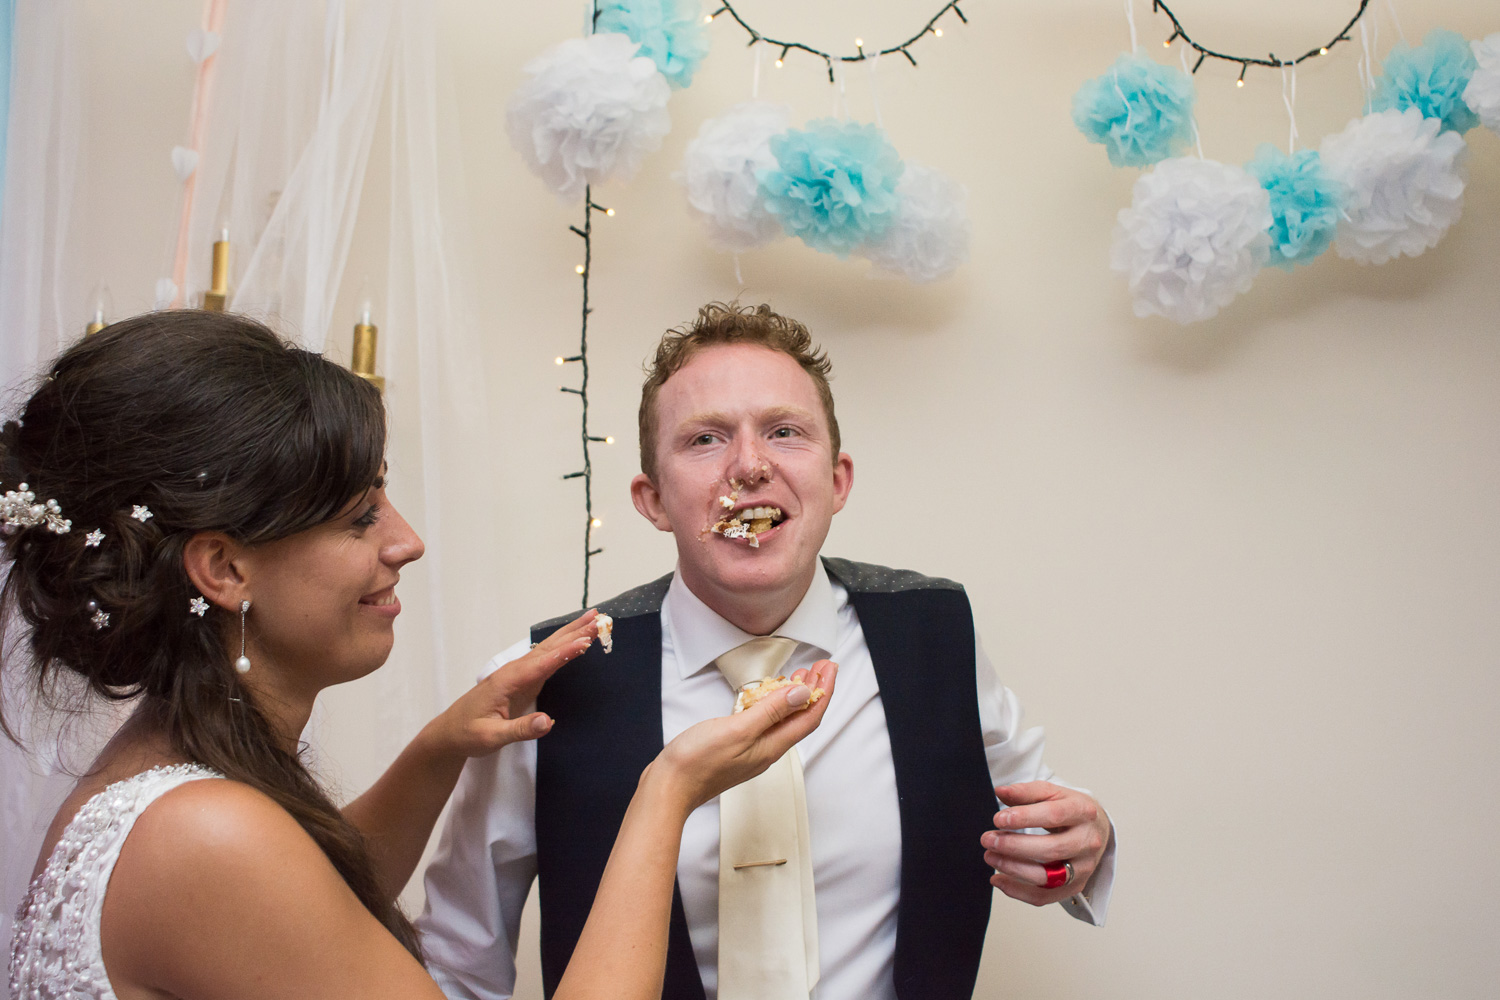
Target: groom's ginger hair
(731, 323)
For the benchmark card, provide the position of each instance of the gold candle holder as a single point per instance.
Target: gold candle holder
(218, 291)
(362, 358)
(103, 306)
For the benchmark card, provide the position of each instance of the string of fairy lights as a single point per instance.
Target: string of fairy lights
(582, 389)
(787, 47)
(1245, 62)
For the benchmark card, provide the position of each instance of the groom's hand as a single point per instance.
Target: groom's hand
(1078, 831)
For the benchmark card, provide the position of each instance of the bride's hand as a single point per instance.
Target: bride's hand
(720, 753)
(491, 715)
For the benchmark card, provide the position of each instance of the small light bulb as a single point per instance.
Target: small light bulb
(1323, 51)
(595, 523)
(579, 269)
(708, 19)
(778, 64)
(609, 212)
(557, 360)
(1239, 83)
(859, 43)
(1167, 44)
(609, 439)
(938, 32)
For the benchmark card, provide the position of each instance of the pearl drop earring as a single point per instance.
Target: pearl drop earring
(242, 665)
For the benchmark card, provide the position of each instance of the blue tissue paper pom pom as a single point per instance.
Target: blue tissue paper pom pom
(1140, 110)
(670, 33)
(834, 184)
(1305, 203)
(1430, 78)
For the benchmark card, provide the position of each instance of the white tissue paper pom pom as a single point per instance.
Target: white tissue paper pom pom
(929, 238)
(1483, 93)
(719, 174)
(1404, 181)
(1193, 238)
(590, 113)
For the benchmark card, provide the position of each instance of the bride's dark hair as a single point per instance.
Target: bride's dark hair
(213, 423)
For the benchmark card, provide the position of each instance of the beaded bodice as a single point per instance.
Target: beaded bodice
(56, 951)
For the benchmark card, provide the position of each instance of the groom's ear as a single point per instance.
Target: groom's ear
(843, 480)
(647, 500)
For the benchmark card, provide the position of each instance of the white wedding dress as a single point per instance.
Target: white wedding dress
(56, 951)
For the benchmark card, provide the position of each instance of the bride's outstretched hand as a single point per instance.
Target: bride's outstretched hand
(494, 712)
(720, 753)
(397, 813)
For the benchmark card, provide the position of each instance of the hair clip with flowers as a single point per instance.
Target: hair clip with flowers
(19, 509)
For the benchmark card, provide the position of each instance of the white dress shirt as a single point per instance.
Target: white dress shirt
(479, 879)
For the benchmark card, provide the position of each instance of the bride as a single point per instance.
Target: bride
(195, 518)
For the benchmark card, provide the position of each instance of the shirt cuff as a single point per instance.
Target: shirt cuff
(1092, 903)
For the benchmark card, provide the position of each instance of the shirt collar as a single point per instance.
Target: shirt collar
(700, 636)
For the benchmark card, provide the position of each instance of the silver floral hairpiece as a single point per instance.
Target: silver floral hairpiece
(19, 509)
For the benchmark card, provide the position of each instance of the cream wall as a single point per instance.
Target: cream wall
(1244, 572)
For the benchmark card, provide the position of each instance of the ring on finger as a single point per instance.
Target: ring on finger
(1059, 875)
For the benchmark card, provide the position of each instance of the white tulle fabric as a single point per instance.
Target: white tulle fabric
(1404, 181)
(56, 949)
(930, 237)
(589, 113)
(719, 170)
(41, 305)
(1483, 92)
(300, 91)
(1194, 237)
(41, 309)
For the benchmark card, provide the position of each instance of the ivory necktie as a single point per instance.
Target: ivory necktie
(768, 918)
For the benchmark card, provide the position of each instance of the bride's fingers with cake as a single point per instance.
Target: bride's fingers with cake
(498, 710)
(399, 810)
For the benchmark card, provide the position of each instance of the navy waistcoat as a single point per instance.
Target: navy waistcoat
(920, 632)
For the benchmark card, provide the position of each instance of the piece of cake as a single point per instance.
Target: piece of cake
(604, 627)
(758, 691)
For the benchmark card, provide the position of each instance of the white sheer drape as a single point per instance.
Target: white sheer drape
(39, 306)
(301, 93)
(37, 315)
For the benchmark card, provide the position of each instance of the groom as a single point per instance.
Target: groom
(901, 779)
